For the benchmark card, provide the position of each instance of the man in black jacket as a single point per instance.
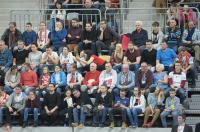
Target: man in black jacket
(11, 35)
(182, 127)
(82, 105)
(103, 104)
(51, 105)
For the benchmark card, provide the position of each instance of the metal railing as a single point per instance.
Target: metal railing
(21, 17)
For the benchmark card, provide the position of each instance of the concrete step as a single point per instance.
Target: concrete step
(192, 120)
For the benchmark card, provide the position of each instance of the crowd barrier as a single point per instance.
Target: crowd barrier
(122, 19)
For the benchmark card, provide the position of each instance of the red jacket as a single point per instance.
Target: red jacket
(92, 75)
(29, 79)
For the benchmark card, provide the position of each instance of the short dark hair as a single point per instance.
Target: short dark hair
(73, 65)
(155, 24)
(35, 44)
(149, 41)
(52, 84)
(183, 116)
(29, 23)
(13, 23)
(172, 90)
(75, 19)
(48, 47)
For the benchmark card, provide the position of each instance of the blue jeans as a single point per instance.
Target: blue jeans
(35, 114)
(2, 109)
(59, 89)
(27, 89)
(164, 114)
(181, 93)
(76, 113)
(100, 113)
(133, 115)
(8, 89)
(58, 47)
(134, 67)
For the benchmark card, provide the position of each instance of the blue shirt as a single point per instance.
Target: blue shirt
(166, 57)
(57, 37)
(124, 101)
(6, 58)
(29, 37)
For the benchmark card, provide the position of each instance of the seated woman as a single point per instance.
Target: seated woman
(12, 79)
(136, 107)
(43, 82)
(155, 101)
(66, 58)
(89, 59)
(117, 58)
(160, 79)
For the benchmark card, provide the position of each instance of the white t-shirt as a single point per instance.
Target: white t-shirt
(49, 61)
(34, 58)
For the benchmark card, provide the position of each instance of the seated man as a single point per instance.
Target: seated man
(57, 37)
(107, 38)
(58, 78)
(52, 102)
(74, 36)
(91, 80)
(149, 55)
(120, 105)
(74, 78)
(177, 79)
(108, 77)
(103, 104)
(29, 36)
(188, 65)
(82, 106)
(144, 79)
(15, 105)
(11, 36)
(6, 57)
(132, 57)
(173, 35)
(139, 36)
(49, 59)
(166, 56)
(191, 40)
(125, 80)
(20, 55)
(88, 38)
(171, 107)
(156, 36)
(28, 79)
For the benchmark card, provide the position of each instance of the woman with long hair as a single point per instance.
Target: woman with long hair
(117, 57)
(155, 101)
(136, 107)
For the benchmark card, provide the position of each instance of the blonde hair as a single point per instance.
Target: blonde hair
(120, 51)
(138, 22)
(161, 66)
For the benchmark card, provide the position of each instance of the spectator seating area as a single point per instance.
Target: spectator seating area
(83, 72)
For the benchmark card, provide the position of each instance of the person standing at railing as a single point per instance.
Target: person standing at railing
(57, 15)
(89, 13)
(11, 35)
(139, 36)
(29, 36)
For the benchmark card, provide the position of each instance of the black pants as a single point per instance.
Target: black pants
(9, 115)
(62, 115)
(50, 119)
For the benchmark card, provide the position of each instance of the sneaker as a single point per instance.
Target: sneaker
(101, 125)
(80, 126)
(24, 125)
(74, 124)
(123, 125)
(112, 125)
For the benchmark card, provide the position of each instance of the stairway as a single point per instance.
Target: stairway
(146, 14)
(6, 8)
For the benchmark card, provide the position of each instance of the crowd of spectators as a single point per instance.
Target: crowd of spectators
(64, 74)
